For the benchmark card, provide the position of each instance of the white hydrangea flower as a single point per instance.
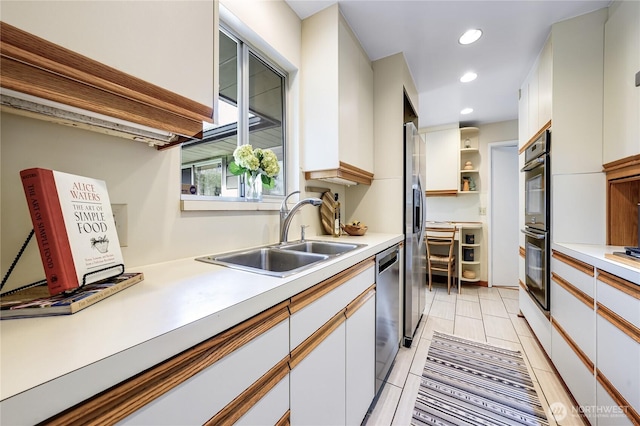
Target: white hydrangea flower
(270, 163)
(245, 158)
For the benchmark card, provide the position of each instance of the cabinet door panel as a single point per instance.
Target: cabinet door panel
(318, 383)
(442, 152)
(575, 317)
(611, 415)
(270, 408)
(313, 316)
(619, 360)
(199, 398)
(361, 360)
(574, 372)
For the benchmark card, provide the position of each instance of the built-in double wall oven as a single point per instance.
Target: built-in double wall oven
(537, 196)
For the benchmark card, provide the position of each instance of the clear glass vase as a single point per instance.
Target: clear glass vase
(253, 187)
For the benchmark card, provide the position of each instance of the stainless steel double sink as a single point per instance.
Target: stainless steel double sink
(281, 260)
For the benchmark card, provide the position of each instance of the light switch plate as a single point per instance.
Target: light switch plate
(122, 227)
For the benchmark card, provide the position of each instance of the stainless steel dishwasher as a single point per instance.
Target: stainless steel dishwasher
(387, 311)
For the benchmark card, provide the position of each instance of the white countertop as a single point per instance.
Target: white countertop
(594, 255)
(56, 362)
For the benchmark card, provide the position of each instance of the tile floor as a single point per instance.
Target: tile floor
(480, 313)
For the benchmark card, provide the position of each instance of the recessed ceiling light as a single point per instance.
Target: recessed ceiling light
(470, 36)
(470, 76)
(466, 111)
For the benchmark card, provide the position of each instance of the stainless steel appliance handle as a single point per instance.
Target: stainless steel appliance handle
(388, 260)
(533, 234)
(423, 211)
(534, 163)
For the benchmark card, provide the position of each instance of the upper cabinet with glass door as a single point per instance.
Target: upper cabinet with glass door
(337, 101)
(119, 59)
(251, 110)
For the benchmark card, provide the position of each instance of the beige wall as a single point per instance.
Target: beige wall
(145, 179)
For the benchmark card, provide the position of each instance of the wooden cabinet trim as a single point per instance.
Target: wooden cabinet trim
(344, 171)
(359, 301)
(129, 396)
(314, 293)
(523, 285)
(574, 263)
(441, 193)
(305, 348)
(574, 347)
(521, 251)
(622, 168)
(621, 284)
(285, 420)
(536, 136)
(620, 323)
(631, 413)
(37, 67)
(250, 397)
(576, 292)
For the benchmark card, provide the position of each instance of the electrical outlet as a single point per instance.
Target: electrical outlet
(122, 227)
(482, 211)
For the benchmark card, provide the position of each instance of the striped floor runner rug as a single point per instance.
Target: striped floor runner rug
(465, 382)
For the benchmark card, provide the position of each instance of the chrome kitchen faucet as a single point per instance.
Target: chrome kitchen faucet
(286, 215)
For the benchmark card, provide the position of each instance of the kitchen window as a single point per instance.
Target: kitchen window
(251, 110)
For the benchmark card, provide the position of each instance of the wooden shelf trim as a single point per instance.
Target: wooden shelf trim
(621, 284)
(576, 292)
(536, 136)
(129, 396)
(37, 67)
(344, 171)
(630, 412)
(574, 347)
(620, 323)
(359, 301)
(237, 408)
(314, 293)
(574, 263)
(441, 193)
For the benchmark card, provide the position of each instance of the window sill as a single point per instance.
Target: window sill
(203, 203)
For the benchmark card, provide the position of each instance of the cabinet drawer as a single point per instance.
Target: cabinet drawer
(314, 307)
(610, 414)
(620, 296)
(578, 273)
(619, 358)
(197, 399)
(574, 312)
(271, 408)
(576, 371)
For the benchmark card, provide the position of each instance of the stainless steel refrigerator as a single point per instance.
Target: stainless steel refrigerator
(414, 222)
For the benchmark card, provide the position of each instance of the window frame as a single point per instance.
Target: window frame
(269, 201)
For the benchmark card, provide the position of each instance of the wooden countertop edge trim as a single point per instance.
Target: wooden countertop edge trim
(237, 408)
(629, 411)
(576, 292)
(574, 347)
(536, 136)
(125, 398)
(314, 293)
(621, 284)
(620, 323)
(300, 352)
(574, 263)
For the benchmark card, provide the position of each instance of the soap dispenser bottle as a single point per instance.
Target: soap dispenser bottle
(336, 216)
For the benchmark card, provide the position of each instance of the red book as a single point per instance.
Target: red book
(74, 228)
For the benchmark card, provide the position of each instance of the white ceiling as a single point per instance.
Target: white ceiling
(427, 32)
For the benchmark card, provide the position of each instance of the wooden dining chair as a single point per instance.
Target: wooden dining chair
(440, 257)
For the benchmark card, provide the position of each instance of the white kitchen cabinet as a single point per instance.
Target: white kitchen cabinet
(618, 340)
(621, 97)
(360, 359)
(573, 342)
(442, 161)
(270, 408)
(333, 348)
(318, 394)
(337, 121)
(536, 318)
(133, 37)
